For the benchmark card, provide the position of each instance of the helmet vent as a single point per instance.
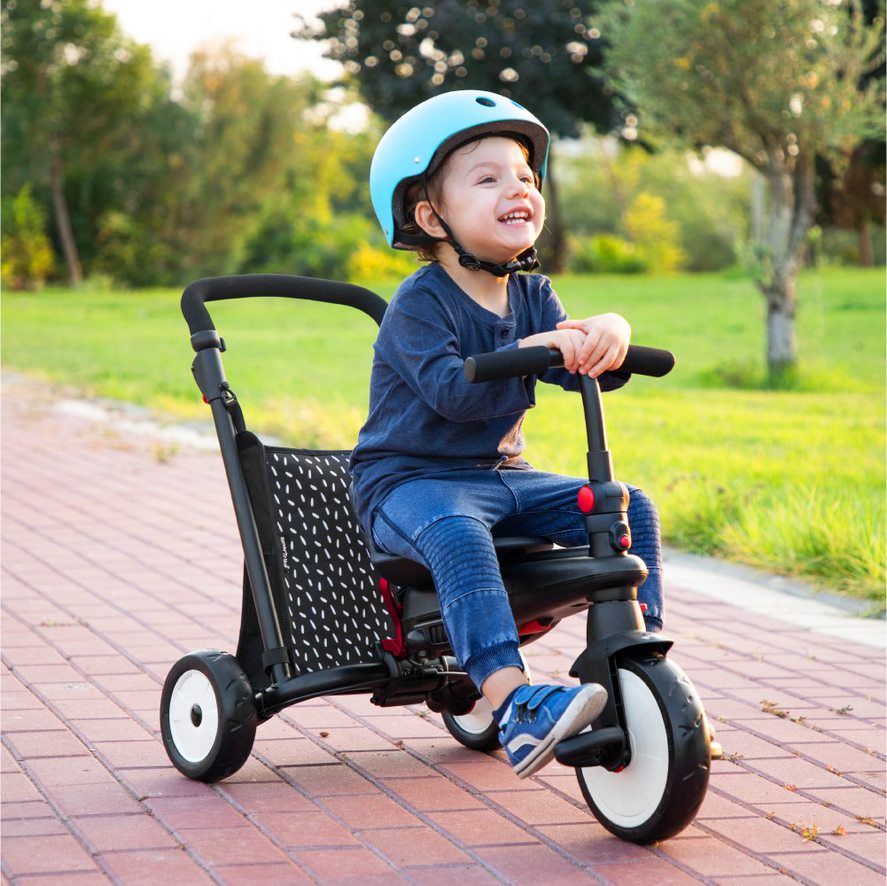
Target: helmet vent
(486, 102)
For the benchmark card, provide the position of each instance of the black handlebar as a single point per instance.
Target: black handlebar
(534, 361)
(200, 324)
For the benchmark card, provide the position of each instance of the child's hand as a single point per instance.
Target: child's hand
(606, 342)
(568, 341)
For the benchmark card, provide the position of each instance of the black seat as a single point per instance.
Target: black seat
(402, 571)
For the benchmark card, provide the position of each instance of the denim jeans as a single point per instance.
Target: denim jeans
(447, 521)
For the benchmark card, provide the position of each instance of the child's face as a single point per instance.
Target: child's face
(490, 200)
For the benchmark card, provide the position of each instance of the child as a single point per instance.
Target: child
(438, 469)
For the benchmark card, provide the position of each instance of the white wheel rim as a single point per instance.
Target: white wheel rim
(193, 741)
(477, 720)
(480, 717)
(628, 798)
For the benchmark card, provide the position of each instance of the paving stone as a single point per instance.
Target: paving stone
(113, 833)
(44, 854)
(147, 867)
(827, 867)
(346, 865)
(419, 845)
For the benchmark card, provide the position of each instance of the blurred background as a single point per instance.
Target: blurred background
(717, 175)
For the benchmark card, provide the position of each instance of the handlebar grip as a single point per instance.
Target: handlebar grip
(509, 364)
(642, 360)
(534, 361)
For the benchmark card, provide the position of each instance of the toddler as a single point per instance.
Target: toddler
(438, 469)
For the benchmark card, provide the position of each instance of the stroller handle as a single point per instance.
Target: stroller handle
(200, 324)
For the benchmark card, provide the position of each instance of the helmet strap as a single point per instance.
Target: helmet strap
(526, 261)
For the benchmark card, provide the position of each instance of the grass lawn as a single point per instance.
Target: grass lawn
(790, 480)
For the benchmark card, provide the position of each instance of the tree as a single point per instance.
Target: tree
(855, 199)
(776, 81)
(72, 85)
(543, 53)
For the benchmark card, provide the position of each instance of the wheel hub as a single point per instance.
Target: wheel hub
(196, 715)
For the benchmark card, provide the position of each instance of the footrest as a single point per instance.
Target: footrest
(600, 747)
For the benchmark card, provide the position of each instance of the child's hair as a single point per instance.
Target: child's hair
(430, 188)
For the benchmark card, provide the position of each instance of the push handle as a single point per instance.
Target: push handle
(534, 361)
(200, 324)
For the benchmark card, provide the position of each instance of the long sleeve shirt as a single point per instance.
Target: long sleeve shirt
(424, 416)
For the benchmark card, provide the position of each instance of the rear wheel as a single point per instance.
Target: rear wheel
(478, 728)
(207, 715)
(661, 789)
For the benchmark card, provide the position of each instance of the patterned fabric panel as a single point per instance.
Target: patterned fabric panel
(335, 610)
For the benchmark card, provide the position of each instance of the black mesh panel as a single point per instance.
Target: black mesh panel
(330, 609)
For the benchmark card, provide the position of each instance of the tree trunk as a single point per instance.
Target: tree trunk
(554, 241)
(791, 207)
(782, 349)
(866, 253)
(62, 216)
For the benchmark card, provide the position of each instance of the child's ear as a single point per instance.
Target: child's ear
(427, 220)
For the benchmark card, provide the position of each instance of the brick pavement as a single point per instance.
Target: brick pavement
(119, 555)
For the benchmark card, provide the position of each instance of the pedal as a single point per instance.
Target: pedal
(597, 748)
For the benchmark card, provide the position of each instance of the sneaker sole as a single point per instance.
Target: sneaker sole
(579, 714)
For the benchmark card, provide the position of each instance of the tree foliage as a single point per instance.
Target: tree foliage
(74, 89)
(402, 53)
(148, 184)
(777, 81)
(543, 53)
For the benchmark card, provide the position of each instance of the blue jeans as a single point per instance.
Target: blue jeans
(447, 522)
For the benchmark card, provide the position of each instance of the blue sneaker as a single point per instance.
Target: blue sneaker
(538, 717)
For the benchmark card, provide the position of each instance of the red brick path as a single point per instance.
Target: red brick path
(119, 556)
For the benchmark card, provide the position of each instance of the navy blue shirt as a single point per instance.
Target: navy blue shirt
(424, 417)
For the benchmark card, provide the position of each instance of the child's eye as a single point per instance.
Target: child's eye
(487, 179)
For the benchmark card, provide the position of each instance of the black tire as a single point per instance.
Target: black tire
(477, 729)
(207, 715)
(660, 791)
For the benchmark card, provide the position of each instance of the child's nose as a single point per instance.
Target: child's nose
(520, 188)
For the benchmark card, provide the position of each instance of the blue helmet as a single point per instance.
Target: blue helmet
(417, 143)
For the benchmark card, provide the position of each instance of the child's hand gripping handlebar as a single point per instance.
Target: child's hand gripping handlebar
(534, 361)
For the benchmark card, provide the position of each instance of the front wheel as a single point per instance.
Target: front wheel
(207, 715)
(661, 789)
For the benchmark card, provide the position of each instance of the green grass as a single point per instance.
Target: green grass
(789, 480)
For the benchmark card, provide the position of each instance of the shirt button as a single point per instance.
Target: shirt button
(503, 333)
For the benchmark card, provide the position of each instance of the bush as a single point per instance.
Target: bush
(286, 245)
(130, 254)
(604, 254)
(27, 254)
(656, 238)
(369, 262)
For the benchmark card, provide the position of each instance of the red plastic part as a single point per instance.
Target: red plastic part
(532, 627)
(395, 645)
(624, 542)
(585, 499)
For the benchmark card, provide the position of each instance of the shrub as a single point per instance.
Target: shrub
(283, 244)
(27, 254)
(604, 254)
(368, 262)
(656, 238)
